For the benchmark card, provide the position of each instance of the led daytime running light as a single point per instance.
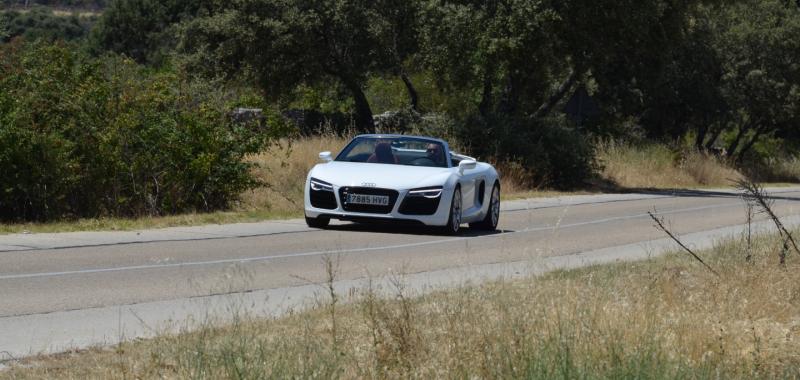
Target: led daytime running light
(427, 193)
(318, 185)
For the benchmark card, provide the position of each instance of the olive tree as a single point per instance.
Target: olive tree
(282, 44)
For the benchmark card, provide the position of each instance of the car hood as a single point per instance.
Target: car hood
(381, 175)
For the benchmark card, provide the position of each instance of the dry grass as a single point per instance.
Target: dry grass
(285, 168)
(128, 224)
(786, 169)
(657, 166)
(663, 318)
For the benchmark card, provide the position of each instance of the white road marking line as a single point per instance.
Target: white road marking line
(346, 251)
(626, 217)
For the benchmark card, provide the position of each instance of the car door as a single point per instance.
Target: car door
(468, 183)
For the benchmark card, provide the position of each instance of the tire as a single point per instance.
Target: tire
(453, 226)
(320, 222)
(489, 222)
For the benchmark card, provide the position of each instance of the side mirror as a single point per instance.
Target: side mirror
(325, 156)
(466, 165)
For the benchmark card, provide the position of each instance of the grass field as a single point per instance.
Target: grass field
(663, 318)
(284, 168)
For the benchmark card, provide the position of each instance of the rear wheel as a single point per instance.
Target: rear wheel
(320, 222)
(489, 222)
(454, 221)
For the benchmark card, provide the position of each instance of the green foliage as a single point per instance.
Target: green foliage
(733, 80)
(516, 61)
(326, 97)
(83, 137)
(43, 23)
(285, 44)
(761, 82)
(501, 53)
(723, 74)
(4, 32)
(552, 153)
(143, 29)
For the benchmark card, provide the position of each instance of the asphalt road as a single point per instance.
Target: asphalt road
(102, 269)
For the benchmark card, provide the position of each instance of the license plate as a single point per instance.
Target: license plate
(366, 199)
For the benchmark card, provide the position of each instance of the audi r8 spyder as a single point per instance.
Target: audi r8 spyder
(402, 178)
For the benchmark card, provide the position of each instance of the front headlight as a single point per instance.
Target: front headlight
(318, 185)
(427, 192)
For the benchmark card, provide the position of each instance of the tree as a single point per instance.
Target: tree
(760, 41)
(42, 23)
(143, 29)
(501, 51)
(686, 95)
(524, 57)
(397, 29)
(283, 44)
(625, 47)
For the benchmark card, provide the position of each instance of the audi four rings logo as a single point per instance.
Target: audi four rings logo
(367, 184)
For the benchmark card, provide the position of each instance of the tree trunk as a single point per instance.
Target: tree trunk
(364, 121)
(551, 102)
(412, 92)
(486, 97)
(714, 136)
(509, 98)
(750, 143)
(735, 143)
(701, 137)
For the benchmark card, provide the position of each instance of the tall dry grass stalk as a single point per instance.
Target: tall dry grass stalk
(657, 166)
(284, 169)
(665, 318)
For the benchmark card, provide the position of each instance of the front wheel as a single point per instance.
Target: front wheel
(320, 222)
(454, 221)
(489, 222)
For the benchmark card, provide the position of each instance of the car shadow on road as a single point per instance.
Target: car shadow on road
(392, 228)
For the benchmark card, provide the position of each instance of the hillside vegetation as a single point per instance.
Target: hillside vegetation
(131, 114)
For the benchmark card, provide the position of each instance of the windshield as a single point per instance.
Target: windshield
(395, 151)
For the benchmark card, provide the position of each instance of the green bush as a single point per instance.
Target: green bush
(552, 153)
(42, 23)
(82, 137)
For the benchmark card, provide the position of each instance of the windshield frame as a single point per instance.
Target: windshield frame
(358, 139)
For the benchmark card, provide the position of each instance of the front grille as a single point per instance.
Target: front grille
(373, 209)
(322, 199)
(419, 205)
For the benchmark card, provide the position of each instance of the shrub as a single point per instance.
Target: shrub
(551, 153)
(41, 22)
(82, 137)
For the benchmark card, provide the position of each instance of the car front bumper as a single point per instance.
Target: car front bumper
(341, 212)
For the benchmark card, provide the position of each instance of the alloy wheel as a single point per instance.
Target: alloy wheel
(495, 205)
(455, 211)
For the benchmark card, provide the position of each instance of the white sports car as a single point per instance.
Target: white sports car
(405, 179)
